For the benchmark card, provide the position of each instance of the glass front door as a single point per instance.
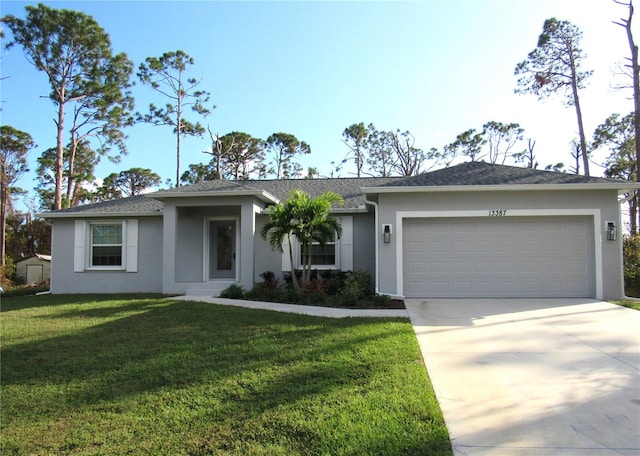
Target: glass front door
(222, 249)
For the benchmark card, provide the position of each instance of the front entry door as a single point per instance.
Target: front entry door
(222, 249)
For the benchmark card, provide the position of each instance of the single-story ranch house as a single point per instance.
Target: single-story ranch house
(471, 230)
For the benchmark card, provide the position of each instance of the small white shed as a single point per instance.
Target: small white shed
(34, 269)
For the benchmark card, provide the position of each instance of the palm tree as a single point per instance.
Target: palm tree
(305, 218)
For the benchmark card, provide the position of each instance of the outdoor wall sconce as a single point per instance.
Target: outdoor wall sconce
(386, 233)
(612, 231)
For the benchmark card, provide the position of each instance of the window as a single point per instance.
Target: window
(321, 255)
(337, 254)
(106, 245)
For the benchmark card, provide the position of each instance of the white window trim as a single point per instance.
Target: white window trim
(83, 245)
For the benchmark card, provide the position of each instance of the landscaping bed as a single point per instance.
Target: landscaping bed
(350, 290)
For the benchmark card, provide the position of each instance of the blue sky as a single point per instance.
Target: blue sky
(435, 68)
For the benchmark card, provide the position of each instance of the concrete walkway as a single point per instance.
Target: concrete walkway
(533, 376)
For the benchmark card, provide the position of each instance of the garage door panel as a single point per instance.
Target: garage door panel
(499, 257)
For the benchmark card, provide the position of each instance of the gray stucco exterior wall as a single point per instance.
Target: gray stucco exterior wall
(147, 279)
(364, 254)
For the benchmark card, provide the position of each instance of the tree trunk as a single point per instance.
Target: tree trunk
(583, 140)
(3, 219)
(635, 71)
(178, 142)
(294, 277)
(57, 201)
(70, 178)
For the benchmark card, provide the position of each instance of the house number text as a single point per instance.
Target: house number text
(497, 213)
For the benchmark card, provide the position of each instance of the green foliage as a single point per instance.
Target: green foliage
(500, 139)
(127, 183)
(167, 75)
(83, 168)
(555, 67)
(631, 249)
(14, 147)
(307, 220)
(284, 148)
(75, 54)
(241, 156)
(355, 137)
(356, 286)
(468, 144)
(233, 291)
(26, 237)
(618, 135)
(7, 273)
(269, 280)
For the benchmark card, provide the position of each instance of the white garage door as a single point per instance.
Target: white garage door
(498, 257)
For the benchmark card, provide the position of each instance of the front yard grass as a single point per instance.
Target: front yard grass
(631, 303)
(148, 375)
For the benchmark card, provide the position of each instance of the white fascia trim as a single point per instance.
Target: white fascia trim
(620, 187)
(597, 234)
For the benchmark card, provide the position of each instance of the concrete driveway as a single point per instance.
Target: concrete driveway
(533, 376)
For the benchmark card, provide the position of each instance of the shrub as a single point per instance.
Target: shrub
(233, 291)
(356, 286)
(313, 298)
(631, 248)
(335, 281)
(7, 273)
(259, 293)
(269, 280)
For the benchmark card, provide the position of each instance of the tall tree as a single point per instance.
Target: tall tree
(634, 72)
(527, 156)
(14, 147)
(127, 183)
(284, 148)
(555, 66)
(243, 156)
(103, 115)
(355, 137)
(381, 158)
(500, 139)
(468, 143)
(75, 54)
(79, 179)
(198, 173)
(167, 75)
(408, 158)
(618, 135)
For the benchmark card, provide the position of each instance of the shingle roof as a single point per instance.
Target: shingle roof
(349, 188)
(465, 174)
(133, 205)
(480, 173)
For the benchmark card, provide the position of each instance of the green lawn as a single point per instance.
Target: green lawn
(632, 304)
(147, 375)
